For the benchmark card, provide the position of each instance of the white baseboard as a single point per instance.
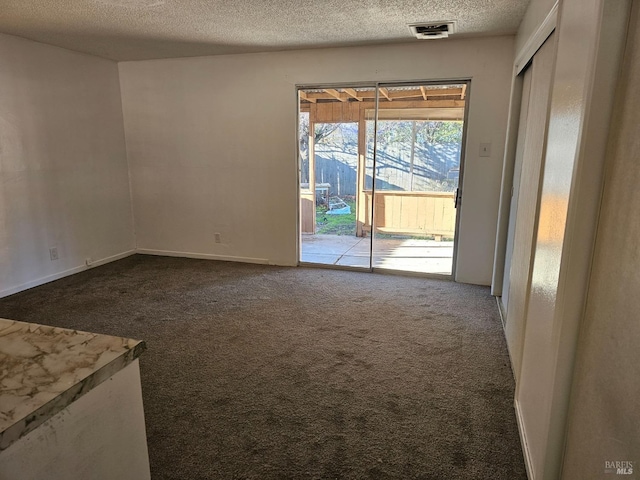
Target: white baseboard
(65, 273)
(110, 259)
(202, 256)
(503, 314)
(164, 253)
(503, 320)
(528, 462)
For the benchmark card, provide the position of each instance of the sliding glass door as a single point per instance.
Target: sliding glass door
(379, 175)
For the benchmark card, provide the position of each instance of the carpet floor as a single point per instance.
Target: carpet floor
(260, 372)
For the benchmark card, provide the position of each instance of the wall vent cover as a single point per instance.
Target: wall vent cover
(433, 30)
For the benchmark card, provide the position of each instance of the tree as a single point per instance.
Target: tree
(439, 132)
(321, 132)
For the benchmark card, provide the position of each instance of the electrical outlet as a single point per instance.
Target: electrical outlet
(217, 238)
(53, 253)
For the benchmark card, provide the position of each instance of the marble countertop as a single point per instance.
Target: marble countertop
(44, 369)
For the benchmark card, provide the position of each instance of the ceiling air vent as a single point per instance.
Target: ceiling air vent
(433, 29)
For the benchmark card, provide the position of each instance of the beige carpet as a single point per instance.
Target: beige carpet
(257, 372)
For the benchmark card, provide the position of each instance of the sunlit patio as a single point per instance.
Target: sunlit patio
(413, 255)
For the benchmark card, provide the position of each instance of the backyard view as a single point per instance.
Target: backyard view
(342, 224)
(404, 203)
(411, 156)
(417, 155)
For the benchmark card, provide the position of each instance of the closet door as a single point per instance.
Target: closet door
(526, 213)
(515, 189)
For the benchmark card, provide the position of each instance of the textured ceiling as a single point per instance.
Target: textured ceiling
(144, 29)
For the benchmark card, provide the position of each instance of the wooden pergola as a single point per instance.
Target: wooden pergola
(358, 105)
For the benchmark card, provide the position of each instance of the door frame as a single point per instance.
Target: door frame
(459, 196)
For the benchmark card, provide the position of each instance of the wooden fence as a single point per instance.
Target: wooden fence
(409, 213)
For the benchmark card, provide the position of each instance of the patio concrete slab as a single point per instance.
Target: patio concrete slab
(327, 259)
(413, 255)
(328, 244)
(430, 265)
(354, 261)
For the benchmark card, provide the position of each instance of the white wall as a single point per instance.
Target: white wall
(604, 415)
(63, 167)
(211, 143)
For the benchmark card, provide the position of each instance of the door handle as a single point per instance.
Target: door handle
(456, 199)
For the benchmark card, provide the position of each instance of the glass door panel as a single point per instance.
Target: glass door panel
(332, 153)
(418, 147)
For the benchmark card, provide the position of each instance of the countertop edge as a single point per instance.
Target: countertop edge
(29, 423)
